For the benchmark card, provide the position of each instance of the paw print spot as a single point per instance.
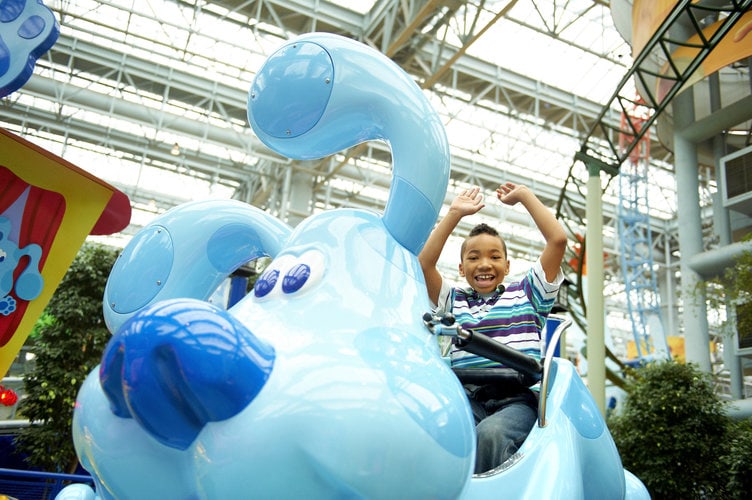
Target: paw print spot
(32, 27)
(28, 29)
(4, 57)
(7, 305)
(11, 9)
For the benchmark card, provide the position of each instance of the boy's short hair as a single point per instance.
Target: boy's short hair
(483, 228)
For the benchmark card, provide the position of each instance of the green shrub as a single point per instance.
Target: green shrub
(68, 344)
(739, 460)
(673, 432)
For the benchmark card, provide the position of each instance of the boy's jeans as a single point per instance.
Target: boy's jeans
(501, 424)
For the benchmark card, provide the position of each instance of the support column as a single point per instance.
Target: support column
(297, 197)
(722, 227)
(694, 316)
(596, 344)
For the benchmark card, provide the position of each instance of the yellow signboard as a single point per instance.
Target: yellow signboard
(47, 208)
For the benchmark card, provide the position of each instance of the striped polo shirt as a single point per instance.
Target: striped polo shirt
(514, 317)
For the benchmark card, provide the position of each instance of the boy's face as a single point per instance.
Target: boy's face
(484, 262)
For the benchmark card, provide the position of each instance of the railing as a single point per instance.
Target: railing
(32, 485)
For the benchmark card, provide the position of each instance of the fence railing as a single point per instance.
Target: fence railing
(33, 485)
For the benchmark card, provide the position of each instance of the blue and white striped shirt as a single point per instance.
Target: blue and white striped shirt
(514, 317)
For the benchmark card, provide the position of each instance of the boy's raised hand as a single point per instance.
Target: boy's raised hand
(468, 202)
(510, 193)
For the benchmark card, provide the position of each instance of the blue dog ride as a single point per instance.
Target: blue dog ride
(325, 381)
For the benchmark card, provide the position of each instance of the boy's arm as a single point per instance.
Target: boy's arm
(548, 225)
(468, 202)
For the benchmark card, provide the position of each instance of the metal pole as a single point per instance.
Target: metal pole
(596, 345)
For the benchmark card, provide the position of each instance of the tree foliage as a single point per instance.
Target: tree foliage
(68, 344)
(732, 288)
(673, 433)
(738, 286)
(739, 460)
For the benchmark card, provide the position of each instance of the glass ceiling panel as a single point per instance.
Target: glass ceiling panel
(569, 45)
(231, 47)
(359, 6)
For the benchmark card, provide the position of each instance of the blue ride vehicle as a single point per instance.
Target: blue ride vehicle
(326, 380)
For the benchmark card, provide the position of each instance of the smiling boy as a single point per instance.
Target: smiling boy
(513, 315)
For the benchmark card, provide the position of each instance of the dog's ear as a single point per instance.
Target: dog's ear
(350, 93)
(186, 253)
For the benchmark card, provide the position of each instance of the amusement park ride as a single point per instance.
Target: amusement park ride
(326, 380)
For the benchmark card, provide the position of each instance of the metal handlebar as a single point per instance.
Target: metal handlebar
(482, 345)
(444, 324)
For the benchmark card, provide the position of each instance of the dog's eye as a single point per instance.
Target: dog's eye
(296, 278)
(304, 273)
(293, 273)
(265, 283)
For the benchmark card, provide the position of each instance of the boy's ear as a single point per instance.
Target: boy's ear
(462, 271)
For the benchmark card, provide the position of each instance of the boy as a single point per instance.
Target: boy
(514, 316)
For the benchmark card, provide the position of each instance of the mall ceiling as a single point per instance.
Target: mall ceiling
(137, 64)
(135, 88)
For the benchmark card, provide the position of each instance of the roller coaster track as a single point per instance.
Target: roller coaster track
(606, 147)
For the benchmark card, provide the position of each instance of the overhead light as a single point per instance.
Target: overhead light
(175, 149)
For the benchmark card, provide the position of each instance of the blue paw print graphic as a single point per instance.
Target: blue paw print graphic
(29, 283)
(27, 30)
(7, 305)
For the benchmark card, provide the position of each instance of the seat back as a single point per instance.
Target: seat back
(551, 334)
